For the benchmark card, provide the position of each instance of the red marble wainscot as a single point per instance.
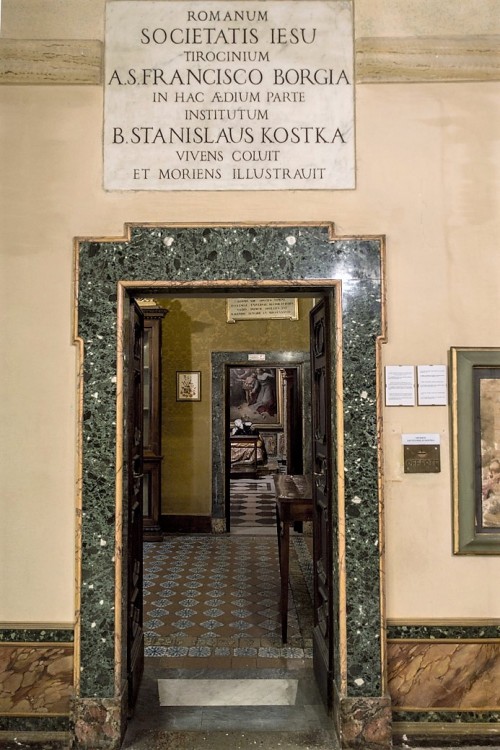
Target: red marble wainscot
(35, 679)
(446, 675)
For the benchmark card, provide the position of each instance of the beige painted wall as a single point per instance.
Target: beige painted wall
(69, 19)
(428, 166)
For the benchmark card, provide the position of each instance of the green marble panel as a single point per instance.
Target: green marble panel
(195, 254)
(450, 717)
(36, 635)
(426, 632)
(34, 724)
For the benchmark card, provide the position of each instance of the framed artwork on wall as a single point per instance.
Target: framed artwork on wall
(475, 384)
(188, 386)
(255, 395)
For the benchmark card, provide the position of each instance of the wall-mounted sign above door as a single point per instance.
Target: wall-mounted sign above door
(238, 95)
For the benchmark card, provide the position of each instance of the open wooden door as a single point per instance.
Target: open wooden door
(134, 433)
(322, 483)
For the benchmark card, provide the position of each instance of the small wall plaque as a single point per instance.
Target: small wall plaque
(422, 459)
(267, 308)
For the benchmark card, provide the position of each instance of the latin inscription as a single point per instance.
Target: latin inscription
(259, 92)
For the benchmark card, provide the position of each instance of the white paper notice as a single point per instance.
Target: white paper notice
(432, 385)
(400, 385)
(218, 95)
(424, 438)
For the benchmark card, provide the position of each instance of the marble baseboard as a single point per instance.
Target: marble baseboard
(445, 734)
(363, 723)
(218, 526)
(33, 725)
(14, 740)
(450, 718)
(443, 675)
(98, 723)
(35, 679)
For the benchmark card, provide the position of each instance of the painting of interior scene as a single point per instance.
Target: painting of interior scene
(489, 409)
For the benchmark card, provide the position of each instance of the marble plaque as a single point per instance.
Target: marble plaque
(267, 308)
(225, 95)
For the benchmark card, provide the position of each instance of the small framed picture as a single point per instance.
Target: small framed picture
(188, 386)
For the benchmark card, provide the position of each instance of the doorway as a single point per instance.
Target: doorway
(264, 421)
(231, 584)
(273, 435)
(273, 256)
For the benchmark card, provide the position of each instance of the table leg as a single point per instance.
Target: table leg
(284, 567)
(278, 532)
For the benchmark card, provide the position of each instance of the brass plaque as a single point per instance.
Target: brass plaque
(422, 459)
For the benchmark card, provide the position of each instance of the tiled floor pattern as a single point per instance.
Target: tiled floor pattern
(252, 503)
(217, 596)
(212, 614)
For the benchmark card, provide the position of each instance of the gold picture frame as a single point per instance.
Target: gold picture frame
(475, 398)
(188, 385)
(255, 395)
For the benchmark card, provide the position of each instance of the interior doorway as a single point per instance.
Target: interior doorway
(165, 256)
(265, 423)
(287, 408)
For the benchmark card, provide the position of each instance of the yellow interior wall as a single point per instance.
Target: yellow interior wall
(192, 330)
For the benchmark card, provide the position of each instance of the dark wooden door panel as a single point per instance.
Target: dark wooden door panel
(322, 496)
(134, 437)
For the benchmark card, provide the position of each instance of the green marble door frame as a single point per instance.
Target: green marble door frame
(194, 258)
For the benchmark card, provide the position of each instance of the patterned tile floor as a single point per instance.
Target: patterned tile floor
(217, 596)
(252, 504)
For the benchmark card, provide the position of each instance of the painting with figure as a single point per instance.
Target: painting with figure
(255, 395)
(487, 400)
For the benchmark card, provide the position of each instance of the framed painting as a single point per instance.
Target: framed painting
(255, 395)
(188, 386)
(475, 384)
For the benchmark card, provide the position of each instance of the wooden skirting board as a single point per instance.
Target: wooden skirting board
(186, 524)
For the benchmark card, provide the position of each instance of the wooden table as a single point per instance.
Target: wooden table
(293, 503)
